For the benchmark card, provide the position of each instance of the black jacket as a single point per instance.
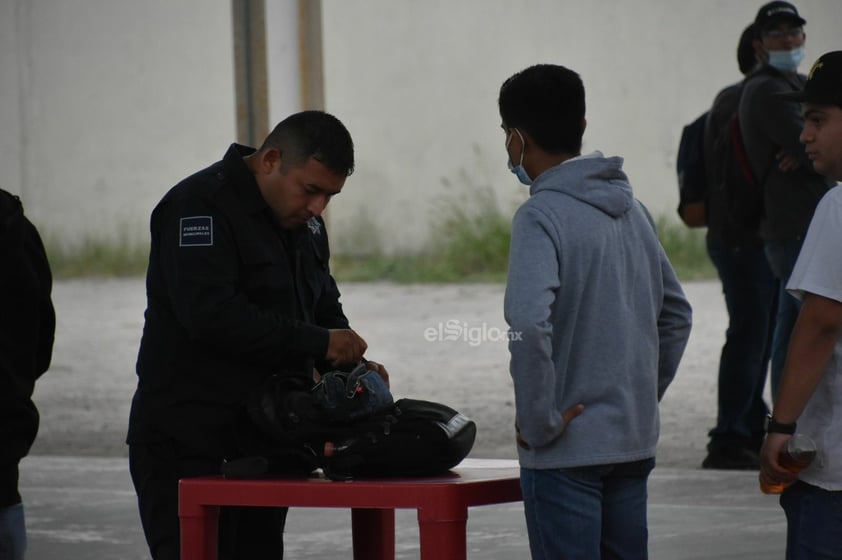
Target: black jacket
(27, 329)
(231, 300)
(770, 123)
(722, 228)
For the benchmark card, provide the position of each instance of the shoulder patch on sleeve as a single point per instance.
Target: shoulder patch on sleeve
(195, 231)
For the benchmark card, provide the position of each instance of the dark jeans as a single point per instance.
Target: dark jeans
(12, 522)
(255, 533)
(12, 533)
(813, 522)
(781, 256)
(750, 291)
(587, 512)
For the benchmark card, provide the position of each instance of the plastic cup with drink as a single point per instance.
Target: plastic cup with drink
(799, 452)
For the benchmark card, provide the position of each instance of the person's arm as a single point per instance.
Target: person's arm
(674, 324)
(816, 278)
(27, 316)
(811, 345)
(781, 121)
(533, 281)
(675, 318)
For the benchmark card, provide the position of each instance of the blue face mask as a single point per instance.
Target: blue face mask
(519, 171)
(786, 61)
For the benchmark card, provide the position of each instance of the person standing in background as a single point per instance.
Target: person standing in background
(770, 127)
(238, 288)
(749, 287)
(810, 395)
(27, 331)
(598, 324)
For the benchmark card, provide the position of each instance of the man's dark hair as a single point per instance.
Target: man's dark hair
(746, 57)
(547, 102)
(313, 134)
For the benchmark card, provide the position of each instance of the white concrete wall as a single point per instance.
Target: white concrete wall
(416, 82)
(105, 104)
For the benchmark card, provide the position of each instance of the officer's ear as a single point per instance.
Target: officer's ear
(270, 161)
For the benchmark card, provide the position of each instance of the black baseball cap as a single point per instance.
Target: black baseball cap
(777, 11)
(824, 82)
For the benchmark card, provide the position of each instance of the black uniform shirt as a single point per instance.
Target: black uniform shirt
(229, 302)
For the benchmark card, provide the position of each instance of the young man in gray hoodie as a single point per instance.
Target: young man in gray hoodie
(598, 324)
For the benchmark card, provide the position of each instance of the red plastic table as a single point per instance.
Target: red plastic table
(442, 503)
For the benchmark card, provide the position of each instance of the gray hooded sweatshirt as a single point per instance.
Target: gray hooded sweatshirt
(596, 316)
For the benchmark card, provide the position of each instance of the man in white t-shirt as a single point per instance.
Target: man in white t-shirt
(811, 389)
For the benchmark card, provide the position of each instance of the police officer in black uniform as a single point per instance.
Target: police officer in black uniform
(27, 329)
(238, 288)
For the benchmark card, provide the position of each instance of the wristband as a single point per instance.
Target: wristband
(772, 426)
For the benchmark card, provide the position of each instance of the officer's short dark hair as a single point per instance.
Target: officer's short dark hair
(548, 102)
(313, 134)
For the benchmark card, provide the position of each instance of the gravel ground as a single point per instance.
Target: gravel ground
(439, 342)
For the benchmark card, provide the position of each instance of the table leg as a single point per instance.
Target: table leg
(443, 536)
(199, 533)
(373, 533)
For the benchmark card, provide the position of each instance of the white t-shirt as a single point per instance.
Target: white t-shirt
(819, 271)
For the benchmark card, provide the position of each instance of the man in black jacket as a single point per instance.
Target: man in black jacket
(238, 289)
(27, 329)
(770, 126)
(750, 290)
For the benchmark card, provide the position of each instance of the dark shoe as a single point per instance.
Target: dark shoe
(732, 459)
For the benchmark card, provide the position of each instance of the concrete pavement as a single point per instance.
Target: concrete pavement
(84, 509)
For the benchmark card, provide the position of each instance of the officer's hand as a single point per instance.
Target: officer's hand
(345, 347)
(380, 369)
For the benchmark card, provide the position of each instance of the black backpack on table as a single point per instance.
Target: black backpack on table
(349, 426)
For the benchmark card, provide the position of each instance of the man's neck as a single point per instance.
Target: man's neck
(545, 160)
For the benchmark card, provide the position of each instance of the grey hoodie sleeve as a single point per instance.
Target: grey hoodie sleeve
(674, 323)
(674, 320)
(530, 292)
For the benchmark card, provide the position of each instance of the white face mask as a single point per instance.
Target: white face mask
(786, 61)
(518, 170)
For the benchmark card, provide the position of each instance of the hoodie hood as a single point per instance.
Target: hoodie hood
(593, 179)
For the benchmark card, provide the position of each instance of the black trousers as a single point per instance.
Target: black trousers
(254, 533)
